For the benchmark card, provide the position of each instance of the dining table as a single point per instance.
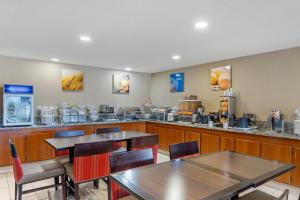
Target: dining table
(221, 175)
(70, 142)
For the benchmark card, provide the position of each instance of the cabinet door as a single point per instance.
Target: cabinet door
(247, 147)
(297, 170)
(227, 144)
(149, 129)
(141, 127)
(37, 148)
(279, 153)
(20, 143)
(209, 143)
(175, 136)
(163, 139)
(192, 136)
(129, 127)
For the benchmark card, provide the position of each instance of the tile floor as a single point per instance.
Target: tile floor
(87, 193)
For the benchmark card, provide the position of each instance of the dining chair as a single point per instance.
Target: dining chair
(117, 145)
(145, 142)
(35, 172)
(184, 150)
(259, 195)
(124, 161)
(91, 162)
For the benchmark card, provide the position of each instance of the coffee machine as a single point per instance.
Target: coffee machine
(276, 121)
(199, 116)
(227, 108)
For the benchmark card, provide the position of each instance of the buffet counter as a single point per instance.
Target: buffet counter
(284, 147)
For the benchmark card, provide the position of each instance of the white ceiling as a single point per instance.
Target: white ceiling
(145, 34)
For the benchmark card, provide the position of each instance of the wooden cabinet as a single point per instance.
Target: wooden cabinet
(163, 139)
(20, 143)
(247, 147)
(192, 136)
(129, 127)
(141, 127)
(149, 129)
(227, 144)
(37, 148)
(296, 175)
(174, 136)
(279, 153)
(209, 143)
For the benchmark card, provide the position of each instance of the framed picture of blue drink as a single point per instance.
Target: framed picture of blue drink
(177, 82)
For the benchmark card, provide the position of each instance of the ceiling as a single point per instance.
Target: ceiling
(145, 34)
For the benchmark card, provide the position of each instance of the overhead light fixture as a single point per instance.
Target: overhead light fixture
(128, 69)
(176, 57)
(55, 60)
(85, 38)
(201, 25)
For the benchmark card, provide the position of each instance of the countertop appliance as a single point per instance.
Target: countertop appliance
(106, 109)
(297, 122)
(129, 113)
(17, 105)
(159, 113)
(227, 107)
(276, 121)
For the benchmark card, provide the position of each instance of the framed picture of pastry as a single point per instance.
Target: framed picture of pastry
(72, 80)
(220, 78)
(121, 83)
(177, 82)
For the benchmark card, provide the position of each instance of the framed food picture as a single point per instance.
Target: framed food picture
(121, 83)
(177, 82)
(72, 80)
(220, 78)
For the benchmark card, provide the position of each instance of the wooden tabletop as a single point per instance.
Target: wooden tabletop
(177, 180)
(65, 143)
(253, 169)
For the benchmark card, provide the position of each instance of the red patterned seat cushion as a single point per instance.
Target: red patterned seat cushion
(17, 167)
(154, 150)
(60, 153)
(117, 191)
(91, 167)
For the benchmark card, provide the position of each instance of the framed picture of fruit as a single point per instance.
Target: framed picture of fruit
(220, 78)
(72, 80)
(121, 83)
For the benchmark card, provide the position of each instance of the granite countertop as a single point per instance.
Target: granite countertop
(67, 124)
(259, 132)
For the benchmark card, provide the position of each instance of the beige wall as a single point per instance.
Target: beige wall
(46, 79)
(261, 82)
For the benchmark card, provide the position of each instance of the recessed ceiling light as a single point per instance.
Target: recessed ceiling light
(55, 60)
(201, 25)
(176, 57)
(128, 69)
(85, 38)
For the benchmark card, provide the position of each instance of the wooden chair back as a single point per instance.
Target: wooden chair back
(91, 160)
(182, 150)
(66, 134)
(145, 142)
(130, 159)
(107, 130)
(16, 162)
